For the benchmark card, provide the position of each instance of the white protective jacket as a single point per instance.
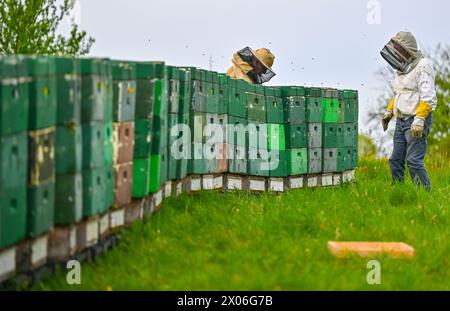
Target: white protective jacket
(415, 92)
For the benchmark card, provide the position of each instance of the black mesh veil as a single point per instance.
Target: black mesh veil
(247, 55)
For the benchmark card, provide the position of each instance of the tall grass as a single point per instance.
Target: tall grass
(240, 241)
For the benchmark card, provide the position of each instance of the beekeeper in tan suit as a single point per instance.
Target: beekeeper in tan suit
(252, 66)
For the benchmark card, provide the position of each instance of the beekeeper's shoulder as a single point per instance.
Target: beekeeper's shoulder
(426, 65)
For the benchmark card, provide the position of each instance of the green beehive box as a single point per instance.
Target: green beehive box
(314, 160)
(124, 90)
(288, 91)
(256, 107)
(296, 135)
(340, 135)
(314, 135)
(109, 187)
(237, 131)
(279, 169)
(349, 94)
(341, 111)
(350, 134)
(145, 70)
(276, 137)
(108, 148)
(124, 100)
(330, 110)
(14, 107)
(158, 171)
(254, 163)
(68, 149)
(185, 90)
(352, 157)
(329, 135)
(93, 89)
(256, 135)
(141, 177)
(313, 109)
(172, 126)
(237, 101)
(197, 123)
(341, 159)
(294, 109)
(41, 155)
(198, 96)
(13, 161)
(93, 191)
(182, 168)
(197, 163)
(174, 89)
(68, 88)
(160, 98)
(350, 110)
(329, 158)
(355, 158)
(108, 90)
(145, 94)
(172, 168)
(41, 208)
(159, 134)
(68, 198)
(297, 161)
(42, 92)
(274, 109)
(13, 215)
(210, 166)
(142, 138)
(212, 92)
(223, 94)
(93, 134)
(237, 159)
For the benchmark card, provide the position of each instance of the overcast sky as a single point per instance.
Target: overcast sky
(333, 43)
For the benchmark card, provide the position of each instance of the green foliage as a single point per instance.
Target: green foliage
(240, 241)
(366, 146)
(30, 27)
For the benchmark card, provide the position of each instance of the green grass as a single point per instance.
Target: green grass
(239, 241)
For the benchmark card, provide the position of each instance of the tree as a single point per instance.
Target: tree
(31, 26)
(440, 131)
(366, 146)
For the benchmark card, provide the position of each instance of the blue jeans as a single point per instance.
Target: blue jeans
(411, 149)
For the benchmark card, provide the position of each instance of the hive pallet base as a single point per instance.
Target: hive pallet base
(337, 179)
(276, 184)
(313, 181)
(256, 184)
(167, 189)
(234, 182)
(192, 183)
(133, 212)
(62, 243)
(348, 176)
(32, 254)
(177, 187)
(212, 181)
(7, 263)
(326, 180)
(295, 182)
(87, 233)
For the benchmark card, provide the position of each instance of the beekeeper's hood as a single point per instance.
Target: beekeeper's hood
(243, 60)
(402, 53)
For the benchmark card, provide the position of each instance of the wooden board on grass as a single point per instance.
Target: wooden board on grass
(369, 249)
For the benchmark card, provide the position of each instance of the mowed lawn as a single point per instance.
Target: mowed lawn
(240, 241)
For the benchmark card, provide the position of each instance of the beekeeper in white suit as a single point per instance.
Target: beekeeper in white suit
(412, 105)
